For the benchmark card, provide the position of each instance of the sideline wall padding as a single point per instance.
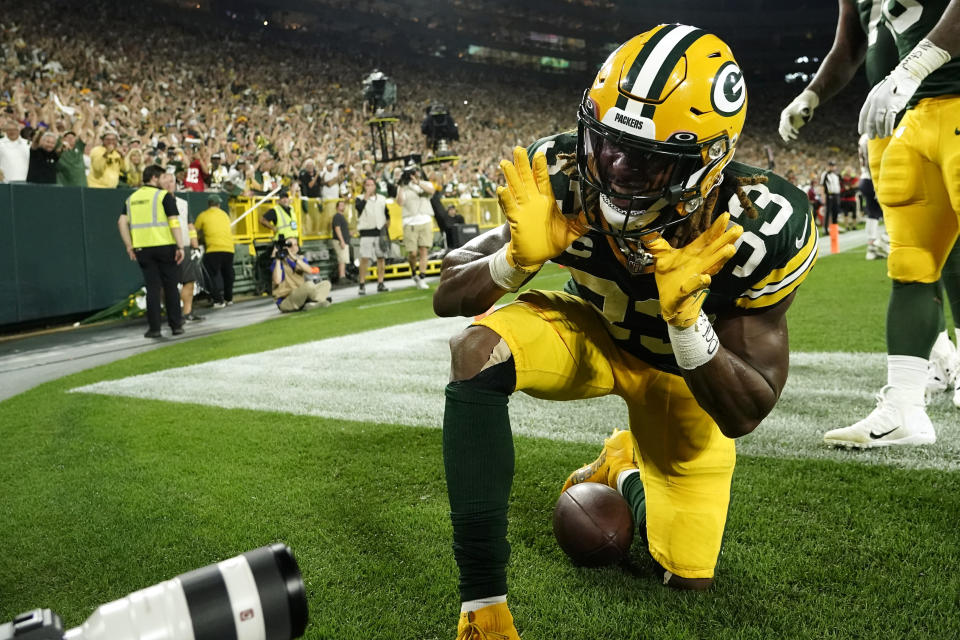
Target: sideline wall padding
(61, 253)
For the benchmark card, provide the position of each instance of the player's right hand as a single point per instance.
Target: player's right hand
(797, 114)
(538, 231)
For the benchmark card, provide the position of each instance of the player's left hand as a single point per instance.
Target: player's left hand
(885, 101)
(683, 275)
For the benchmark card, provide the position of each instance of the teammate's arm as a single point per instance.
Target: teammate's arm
(741, 384)
(946, 33)
(840, 64)
(845, 56)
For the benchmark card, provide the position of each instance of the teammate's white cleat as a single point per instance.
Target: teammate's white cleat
(942, 367)
(938, 379)
(956, 390)
(891, 423)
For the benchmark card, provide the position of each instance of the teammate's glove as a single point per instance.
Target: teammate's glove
(538, 231)
(891, 95)
(683, 275)
(797, 114)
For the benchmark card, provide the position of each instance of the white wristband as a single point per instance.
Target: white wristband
(924, 59)
(505, 276)
(696, 345)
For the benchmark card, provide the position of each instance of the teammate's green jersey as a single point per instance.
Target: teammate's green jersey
(774, 255)
(882, 55)
(909, 21)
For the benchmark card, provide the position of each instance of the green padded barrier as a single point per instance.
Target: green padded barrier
(9, 301)
(48, 233)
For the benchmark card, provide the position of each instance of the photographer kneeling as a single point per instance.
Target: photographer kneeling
(292, 291)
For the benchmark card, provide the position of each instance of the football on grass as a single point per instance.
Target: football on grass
(593, 525)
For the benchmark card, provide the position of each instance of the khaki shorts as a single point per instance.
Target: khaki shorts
(370, 248)
(343, 255)
(417, 235)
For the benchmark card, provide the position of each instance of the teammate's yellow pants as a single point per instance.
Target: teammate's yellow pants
(919, 188)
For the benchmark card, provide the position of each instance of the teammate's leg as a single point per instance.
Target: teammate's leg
(923, 226)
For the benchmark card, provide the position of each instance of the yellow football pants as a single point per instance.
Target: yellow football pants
(919, 188)
(562, 351)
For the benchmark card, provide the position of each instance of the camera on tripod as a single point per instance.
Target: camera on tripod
(440, 129)
(379, 91)
(258, 595)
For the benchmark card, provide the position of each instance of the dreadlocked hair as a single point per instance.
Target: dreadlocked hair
(696, 223)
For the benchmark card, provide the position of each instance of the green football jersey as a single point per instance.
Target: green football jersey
(882, 55)
(774, 255)
(909, 21)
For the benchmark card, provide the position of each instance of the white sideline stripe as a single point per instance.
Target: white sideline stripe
(396, 375)
(387, 304)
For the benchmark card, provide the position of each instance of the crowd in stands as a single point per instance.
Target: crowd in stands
(101, 90)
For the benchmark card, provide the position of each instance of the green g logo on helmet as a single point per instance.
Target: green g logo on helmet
(729, 93)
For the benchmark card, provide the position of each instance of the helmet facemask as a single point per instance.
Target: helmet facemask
(644, 185)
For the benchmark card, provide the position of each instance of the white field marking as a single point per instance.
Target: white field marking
(397, 375)
(390, 302)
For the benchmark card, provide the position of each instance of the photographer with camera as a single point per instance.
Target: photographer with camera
(372, 225)
(292, 289)
(413, 196)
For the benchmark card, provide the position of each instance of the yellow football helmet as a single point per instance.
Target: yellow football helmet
(657, 127)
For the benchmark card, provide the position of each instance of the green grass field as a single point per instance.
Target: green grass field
(106, 494)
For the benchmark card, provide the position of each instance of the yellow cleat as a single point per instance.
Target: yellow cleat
(493, 622)
(619, 454)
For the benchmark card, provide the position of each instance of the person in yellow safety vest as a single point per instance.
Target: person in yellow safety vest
(150, 228)
(281, 219)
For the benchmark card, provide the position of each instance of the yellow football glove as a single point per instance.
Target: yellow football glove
(538, 231)
(683, 275)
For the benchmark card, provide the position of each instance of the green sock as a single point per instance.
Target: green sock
(478, 459)
(913, 314)
(950, 277)
(632, 490)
